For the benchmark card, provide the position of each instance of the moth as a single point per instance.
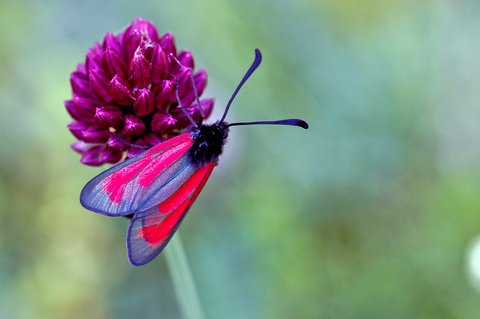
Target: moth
(158, 187)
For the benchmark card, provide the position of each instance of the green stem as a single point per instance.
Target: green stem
(182, 279)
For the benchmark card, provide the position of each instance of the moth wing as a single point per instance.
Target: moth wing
(150, 230)
(134, 184)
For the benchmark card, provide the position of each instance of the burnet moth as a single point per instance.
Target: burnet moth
(157, 188)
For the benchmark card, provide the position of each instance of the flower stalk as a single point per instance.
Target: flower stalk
(182, 279)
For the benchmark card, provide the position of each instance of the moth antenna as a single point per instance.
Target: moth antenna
(181, 106)
(253, 67)
(196, 96)
(292, 122)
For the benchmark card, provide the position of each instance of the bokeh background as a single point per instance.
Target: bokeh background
(371, 213)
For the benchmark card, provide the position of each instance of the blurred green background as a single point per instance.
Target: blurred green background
(369, 214)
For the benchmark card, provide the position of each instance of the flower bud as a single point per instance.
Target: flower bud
(131, 41)
(132, 126)
(116, 143)
(182, 120)
(134, 151)
(184, 82)
(92, 156)
(86, 111)
(200, 80)
(113, 63)
(95, 134)
(111, 155)
(159, 62)
(140, 70)
(99, 81)
(168, 43)
(162, 122)
(145, 102)
(148, 28)
(108, 116)
(77, 113)
(82, 69)
(110, 43)
(166, 92)
(119, 91)
(94, 57)
(80, 84)
(80, 147)
(77, 128)
(87, 103)
(207, 107)
(185, 61)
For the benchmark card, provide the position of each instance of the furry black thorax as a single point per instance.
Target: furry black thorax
(208, 143)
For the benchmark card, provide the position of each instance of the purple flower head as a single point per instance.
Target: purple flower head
(125, 90)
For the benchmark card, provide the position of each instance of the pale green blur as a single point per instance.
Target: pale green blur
(368, 214)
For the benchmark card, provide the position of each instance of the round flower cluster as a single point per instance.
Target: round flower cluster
(126, 92)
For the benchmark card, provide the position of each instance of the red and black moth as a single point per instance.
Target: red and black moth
(157, 188)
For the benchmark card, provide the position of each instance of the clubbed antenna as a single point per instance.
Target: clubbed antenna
(253, 67)
(292, 122)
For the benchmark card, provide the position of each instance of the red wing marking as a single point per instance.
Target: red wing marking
(168, 143)
(151, 171)
(175, 205)
(210, 167)
(155, 234)
(183, 192)
(114, 185)
(118, 194)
